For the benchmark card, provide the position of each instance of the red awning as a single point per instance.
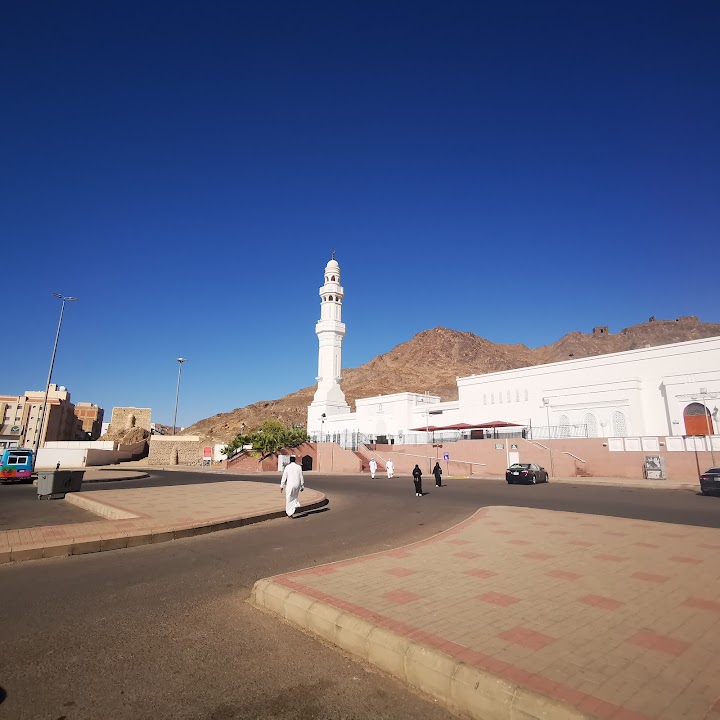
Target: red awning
(496, 424)
(468, 426)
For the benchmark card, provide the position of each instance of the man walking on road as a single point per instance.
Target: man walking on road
(390, 467)
(373, 468)
(292, 477)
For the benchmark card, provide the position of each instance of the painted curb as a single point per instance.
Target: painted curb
(125, 475)
(460, 687)
(119, 540)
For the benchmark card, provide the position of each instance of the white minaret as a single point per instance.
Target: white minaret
(330, 329)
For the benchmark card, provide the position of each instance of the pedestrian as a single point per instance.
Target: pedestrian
(437, 472)
(373, 468)
(294, 483)
(390, 467)
(417, 479)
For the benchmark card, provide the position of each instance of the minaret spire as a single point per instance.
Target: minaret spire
(329, 398)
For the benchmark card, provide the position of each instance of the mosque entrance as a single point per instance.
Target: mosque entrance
(306, 463)
(698, 420)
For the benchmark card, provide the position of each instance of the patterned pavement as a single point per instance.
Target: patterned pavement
(143, 515)
(615, 618)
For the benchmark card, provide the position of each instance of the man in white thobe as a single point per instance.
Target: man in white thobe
(373, 468)
(390, 467)
(293, 483)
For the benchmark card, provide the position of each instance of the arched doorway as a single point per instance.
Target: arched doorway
(698, 420)
(306, 462)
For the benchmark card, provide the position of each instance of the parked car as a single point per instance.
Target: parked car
(526, 473)
(710, 481)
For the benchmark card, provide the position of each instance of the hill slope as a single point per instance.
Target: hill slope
(433, 359)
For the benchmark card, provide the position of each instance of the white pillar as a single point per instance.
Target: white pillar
(330, 330)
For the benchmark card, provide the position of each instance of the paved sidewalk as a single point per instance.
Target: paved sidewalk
(523, 613)
(692, 484)
(149, 515)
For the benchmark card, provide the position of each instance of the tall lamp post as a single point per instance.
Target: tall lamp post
(39, 433)
(546, 403)
(322, 424)
(708, 423)
(177, 391)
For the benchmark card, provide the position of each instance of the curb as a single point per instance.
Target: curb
(460, 687)
(118, 539)
(126, 475)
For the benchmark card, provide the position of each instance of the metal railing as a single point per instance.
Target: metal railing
(353, 439)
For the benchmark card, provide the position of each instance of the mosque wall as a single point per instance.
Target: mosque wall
(583, 457)
(632, 393)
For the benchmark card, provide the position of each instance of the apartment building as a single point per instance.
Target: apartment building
(21, 416)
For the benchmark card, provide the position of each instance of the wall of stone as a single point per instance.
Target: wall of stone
(123, 418)
(175, 450)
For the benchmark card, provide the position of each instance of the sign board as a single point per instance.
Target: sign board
(446, 456)
(207, 453)
(513, 446)
(499, 446)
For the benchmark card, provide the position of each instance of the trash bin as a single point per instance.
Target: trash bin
(53, 484)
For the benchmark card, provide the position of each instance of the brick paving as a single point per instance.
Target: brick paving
(618, 618)
(150, 515)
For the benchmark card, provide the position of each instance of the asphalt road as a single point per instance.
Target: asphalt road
(21, 508)
(164, 631)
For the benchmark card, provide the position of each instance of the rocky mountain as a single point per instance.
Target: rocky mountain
(433, 359)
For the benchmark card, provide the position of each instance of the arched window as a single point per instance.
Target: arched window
(698, 420)
(332, 279)
(591, 425)
(330, 298)
(564, 426)
(517, 396)
(509, 397)
(484, 398)
(492, 398)
(619, 424)
(500, 396)
(526, 396)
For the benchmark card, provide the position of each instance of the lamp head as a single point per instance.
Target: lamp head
(181, 360)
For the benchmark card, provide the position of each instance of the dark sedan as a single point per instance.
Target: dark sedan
(526, 473)
(710, 481)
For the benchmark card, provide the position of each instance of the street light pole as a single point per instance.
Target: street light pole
(708, 423)
(39, 433)
(546, 403)
(322, 424)
(177, 391)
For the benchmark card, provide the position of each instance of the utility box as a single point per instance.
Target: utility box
(654, 467)
(53, 484)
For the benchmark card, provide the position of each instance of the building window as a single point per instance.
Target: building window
(484, 398)
(591, 425)
(564, 429)
(526, 396)
(509, 396)
(492, 398)
(517, 396)
(332, 279)
(619, 424)
(500, 396)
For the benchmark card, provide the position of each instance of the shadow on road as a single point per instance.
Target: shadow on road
(310, 512)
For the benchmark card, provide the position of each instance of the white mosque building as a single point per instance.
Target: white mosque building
(668, 390)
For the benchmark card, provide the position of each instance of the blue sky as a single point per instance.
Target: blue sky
(519, 170)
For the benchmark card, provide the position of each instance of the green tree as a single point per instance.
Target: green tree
(269, 437)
